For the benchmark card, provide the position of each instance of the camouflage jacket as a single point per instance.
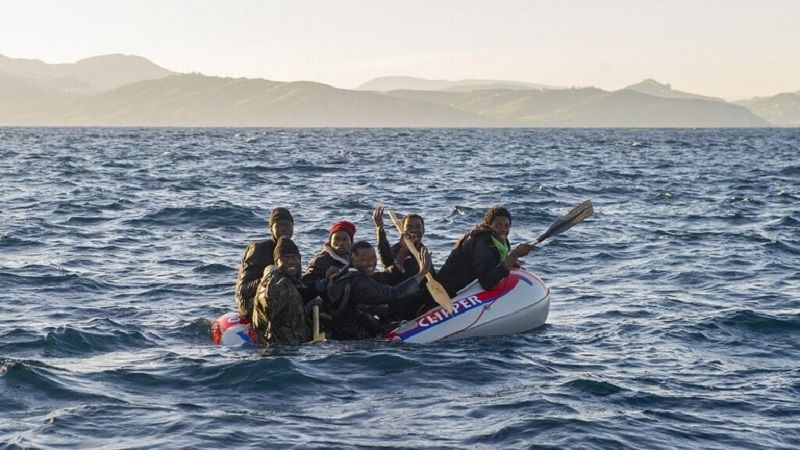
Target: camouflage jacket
(279, 314)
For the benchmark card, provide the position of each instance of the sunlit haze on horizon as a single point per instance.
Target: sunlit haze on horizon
(728, 49)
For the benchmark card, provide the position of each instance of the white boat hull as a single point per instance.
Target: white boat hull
(519, 303)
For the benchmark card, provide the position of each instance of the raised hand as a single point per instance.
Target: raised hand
(427, 261)
(377, 217)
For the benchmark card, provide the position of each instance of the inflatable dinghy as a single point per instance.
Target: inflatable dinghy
(520, 302)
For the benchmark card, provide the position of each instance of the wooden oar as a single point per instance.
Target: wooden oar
(318, 337)
(572, 218)
(436, 289)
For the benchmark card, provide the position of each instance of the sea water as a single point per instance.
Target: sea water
(675, 316)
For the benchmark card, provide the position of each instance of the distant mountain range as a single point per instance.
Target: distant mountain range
(121, 90)
(656, 89)
(779, 110)
(88, 75)
(385, 84)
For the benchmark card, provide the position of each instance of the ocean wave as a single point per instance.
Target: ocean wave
(214, 269)
(216, 216)
(87, 220)
(274, 375)
(19, 340)
(759, 322)
(198, 329)
(11, 242)
(784, 222)
(594, 387)
(60, 279)
(35, 382)
(70, 340)
(780, 246)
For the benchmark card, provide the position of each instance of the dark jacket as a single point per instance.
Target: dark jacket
(351, 299)
(314, 276)
(257, 257)
(475, 256)
(279, 314)
(387, 254)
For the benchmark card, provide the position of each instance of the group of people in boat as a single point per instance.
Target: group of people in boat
(354, 300)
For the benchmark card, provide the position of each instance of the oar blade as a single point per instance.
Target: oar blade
(572, 218)
(439, 294)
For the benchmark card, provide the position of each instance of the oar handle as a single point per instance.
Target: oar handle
(318, 337)
(410, 245)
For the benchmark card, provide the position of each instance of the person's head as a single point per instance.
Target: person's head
(413, 224)
(287, 257)
(341, 237)
(363, 258)
(281, 223)
(499, 220)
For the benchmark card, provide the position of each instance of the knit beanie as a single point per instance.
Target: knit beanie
(346, 226)
(279, 213)
(284, 247)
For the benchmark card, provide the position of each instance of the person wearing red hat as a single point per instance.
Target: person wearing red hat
(335, 255)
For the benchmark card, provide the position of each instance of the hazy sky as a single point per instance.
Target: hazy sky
(726, 48)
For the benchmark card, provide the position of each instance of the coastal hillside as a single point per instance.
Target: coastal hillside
(591, 107)
(198, 100)
(781, 110)
(394, 83)
(122, 90)
(656, 89)
(89, 75)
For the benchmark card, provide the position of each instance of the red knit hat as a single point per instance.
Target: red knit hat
(346, 226)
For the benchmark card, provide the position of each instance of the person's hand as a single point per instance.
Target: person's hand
(427, 263)
(518, 252)
(316, 301)
(377, 217)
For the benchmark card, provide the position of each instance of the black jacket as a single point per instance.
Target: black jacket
(314, 275)
(410, 267)
(351, 298)
(257, 257)
(475, 256)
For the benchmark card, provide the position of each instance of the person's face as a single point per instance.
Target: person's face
(414, 226)
(282, 228)
(341, 243)
(501, 226)
(289, 264)
(365, 260)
